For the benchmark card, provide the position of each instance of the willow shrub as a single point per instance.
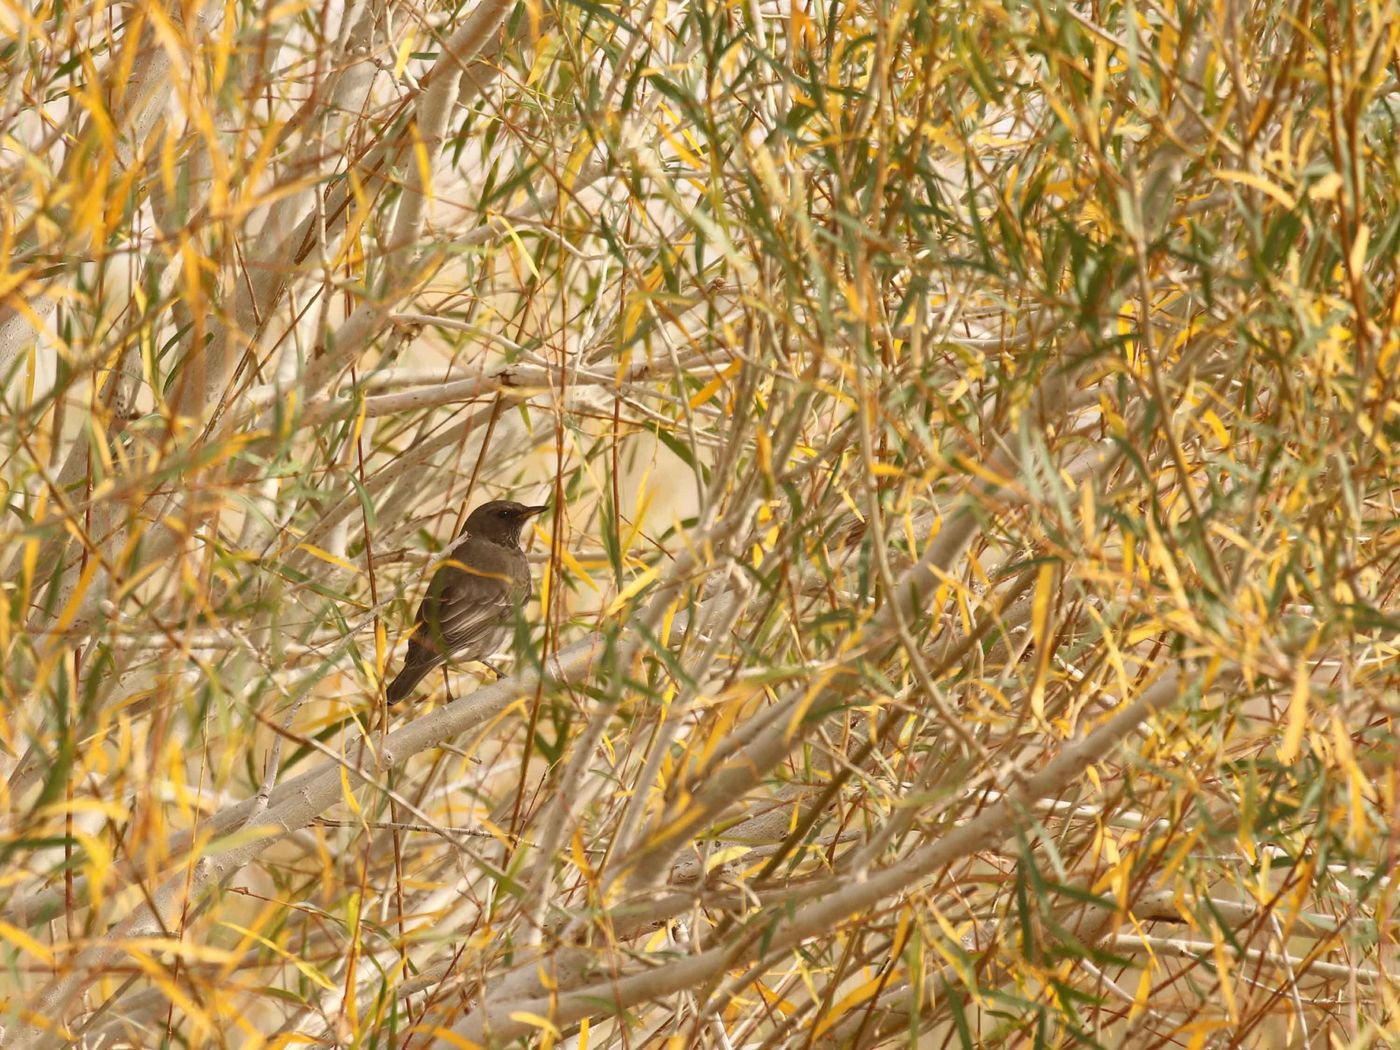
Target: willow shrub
(966, 614)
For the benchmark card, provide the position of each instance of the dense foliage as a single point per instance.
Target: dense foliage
(967, 611)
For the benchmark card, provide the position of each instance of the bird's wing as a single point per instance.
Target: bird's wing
(464, 605)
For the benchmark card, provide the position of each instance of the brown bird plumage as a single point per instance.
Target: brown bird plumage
(472, 600)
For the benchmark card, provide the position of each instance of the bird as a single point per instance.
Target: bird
(470, 608)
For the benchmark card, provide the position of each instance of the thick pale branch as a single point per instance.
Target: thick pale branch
(777, 933)
(288, 808)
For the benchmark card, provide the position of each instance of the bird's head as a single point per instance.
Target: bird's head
(501, 521)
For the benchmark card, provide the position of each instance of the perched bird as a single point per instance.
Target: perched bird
(472, 600)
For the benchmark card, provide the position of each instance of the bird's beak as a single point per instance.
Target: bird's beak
(530, 512)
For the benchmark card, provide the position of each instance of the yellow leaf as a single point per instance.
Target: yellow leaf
(1360, 790)
(449, 1037)
(712, 387)
(158, 973)
(524, 252)
(114, 810)
(542, 1023)
(1143, 994)
(1343, 752)
(1357, 256)
(666, 623)
(183, 949)
(26, 943)
(425, 167)
(1325, 188)
(682, 151)
(846, 499)
(720, 857)
(327, 556)
(633, 589)
(850, 1000)
(405, 50)
(350, 799)
(1223, 960)
(1263, 185)
(1297, 713)
(1040, 615)
(572, 564)
(70, 611)
(630, 318)
(763, 445)
(577, 855)
(1222, 436)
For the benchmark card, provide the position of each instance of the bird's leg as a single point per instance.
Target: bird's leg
(493, 669)
(447, 684)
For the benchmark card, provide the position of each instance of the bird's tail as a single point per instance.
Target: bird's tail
(416, 666)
